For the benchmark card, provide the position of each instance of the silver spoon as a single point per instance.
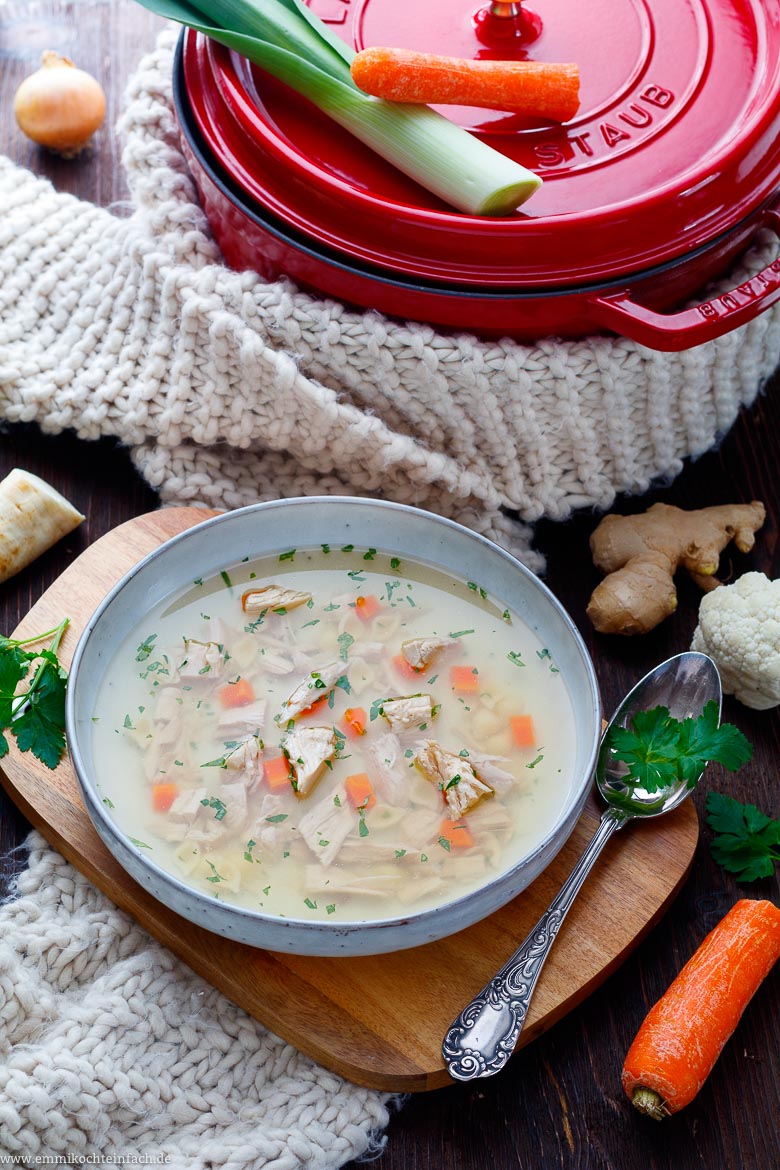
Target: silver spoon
(483, 1037)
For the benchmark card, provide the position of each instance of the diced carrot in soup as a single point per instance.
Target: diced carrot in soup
(522, 728)
(405, 668)
(457, 833)
(367, 606)
(464, 678)
(237, 694)
(360, 790)
(354, 722)
(277, 773)
(163, 796)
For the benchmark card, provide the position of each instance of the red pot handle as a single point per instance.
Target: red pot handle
(672, 332)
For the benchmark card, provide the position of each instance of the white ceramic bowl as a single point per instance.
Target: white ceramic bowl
(265, 528)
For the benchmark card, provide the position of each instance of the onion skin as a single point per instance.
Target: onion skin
(60, 106)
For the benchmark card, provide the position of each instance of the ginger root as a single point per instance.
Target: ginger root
(640, 555)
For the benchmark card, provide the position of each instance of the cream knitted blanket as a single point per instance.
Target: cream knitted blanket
(113, 1053)
(228, 389)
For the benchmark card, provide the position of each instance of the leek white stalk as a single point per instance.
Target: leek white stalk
(287, 40)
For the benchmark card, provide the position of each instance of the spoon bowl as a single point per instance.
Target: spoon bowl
(684, 685)
(483, 1037)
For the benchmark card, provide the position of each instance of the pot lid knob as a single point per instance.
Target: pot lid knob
(506, 20)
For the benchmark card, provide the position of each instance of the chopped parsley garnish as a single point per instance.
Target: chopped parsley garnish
(460, 633)
(146, 648)
(661, 750)
(345, 641)
(331, 909)
(533, 763)
(400, 853)
(477, 589)
(329, 608)
(347, 547)
(545, 655)
(356, 575)
(313, 622)
(217, 804)
(395, 563)
(325, 548)
(215, 876)
(310, 903)
(746, 841)
(369, 555)
(128, 723)
(226, 579)
(138, 844)
(445, 843)
(362, 826)
(337, 800)
(108, 803)
(277, 818)
(287, 556)
(516, 658)
(343, 682)
(248, 851)
(198, 581)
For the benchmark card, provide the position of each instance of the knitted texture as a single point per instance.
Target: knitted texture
(229, 389)
(112, 1047)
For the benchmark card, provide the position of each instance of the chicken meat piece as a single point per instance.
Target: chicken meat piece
(241, 721)
(411, 713)
(201, 659)
(326, 825)
(453, 775)
(256, 600)
(308, 750)
(219, 816)
(489, 770)
(389, 769)
(245, 755)
(317, 685)
(420, 652)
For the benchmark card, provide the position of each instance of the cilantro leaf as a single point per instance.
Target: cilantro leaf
(746, 841)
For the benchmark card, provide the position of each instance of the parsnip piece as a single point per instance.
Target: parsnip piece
(33, 517)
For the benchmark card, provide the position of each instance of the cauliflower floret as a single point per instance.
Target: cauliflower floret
(739, 627)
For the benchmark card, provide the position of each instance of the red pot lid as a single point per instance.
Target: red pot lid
(676, 140)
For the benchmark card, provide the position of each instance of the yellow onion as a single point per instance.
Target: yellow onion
(59, 106)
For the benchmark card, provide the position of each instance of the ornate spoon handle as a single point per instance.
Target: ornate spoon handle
(483, 1037)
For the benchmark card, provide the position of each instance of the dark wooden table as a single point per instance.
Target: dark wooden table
(559, 1103)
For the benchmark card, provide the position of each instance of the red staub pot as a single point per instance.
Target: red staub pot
(663, 178)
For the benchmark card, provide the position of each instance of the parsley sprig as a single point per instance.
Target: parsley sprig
(35, 716)
(746, 841)
(660, 750)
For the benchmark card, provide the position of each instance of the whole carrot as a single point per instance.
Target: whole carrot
(537, 88)
(683, 1034)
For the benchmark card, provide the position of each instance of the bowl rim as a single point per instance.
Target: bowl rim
(341, 928)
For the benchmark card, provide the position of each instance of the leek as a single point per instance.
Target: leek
(289, 41)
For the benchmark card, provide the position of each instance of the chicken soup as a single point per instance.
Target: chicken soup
(336, 734)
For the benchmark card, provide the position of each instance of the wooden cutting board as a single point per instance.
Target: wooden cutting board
(379, 1021)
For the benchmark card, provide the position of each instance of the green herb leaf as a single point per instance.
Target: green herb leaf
(660, 750)
(287, 556)
(345, 641)
(746, 841)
